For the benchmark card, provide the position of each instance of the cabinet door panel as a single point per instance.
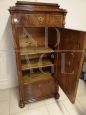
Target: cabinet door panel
(70, 53)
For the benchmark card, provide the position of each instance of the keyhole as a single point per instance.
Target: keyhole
(26, 36)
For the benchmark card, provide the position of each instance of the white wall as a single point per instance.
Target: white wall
(76, 19)
(8, 74)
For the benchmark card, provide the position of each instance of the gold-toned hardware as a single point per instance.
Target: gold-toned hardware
(40, 19)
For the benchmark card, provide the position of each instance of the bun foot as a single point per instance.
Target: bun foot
(57, 96)
(21, 104)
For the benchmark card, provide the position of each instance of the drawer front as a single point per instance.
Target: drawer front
(30, 20)
(37, 20)
(55, 21)
(38, 91)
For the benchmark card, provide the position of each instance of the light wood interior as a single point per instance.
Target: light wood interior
(36, 77)
(31, 64)
(35, 50)
(33, 56)
(32, 37)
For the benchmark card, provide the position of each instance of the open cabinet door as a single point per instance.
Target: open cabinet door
(70, 54)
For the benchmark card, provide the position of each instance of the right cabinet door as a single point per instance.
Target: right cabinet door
(70, 54)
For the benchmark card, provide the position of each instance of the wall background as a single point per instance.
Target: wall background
(76, 19)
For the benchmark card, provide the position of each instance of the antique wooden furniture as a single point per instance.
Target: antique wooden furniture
(47, 54)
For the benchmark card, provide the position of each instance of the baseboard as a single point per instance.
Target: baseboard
(6, 83)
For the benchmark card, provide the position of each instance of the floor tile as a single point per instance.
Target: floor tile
(49, 101)
(9, 99)
(36, 104)
(82, 101)
(4, 95)
(82, 83)
(62, 108)
(14, 93)
(4, 107)
(27, 112)
(62, 95)
(73, 109)
(81, 88)
(14, 100)
(54, 109)
(37, 111)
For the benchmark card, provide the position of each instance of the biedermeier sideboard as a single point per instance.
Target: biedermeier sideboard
(47, 54)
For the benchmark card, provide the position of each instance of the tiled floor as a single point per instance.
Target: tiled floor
(9, 104)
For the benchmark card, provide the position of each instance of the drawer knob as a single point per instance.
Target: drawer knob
(40, 19)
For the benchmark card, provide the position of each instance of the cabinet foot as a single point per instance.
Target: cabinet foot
(57, 96)
(21, 104)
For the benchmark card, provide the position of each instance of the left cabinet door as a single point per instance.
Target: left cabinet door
(70, 53)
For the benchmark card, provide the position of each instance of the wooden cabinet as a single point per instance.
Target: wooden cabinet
(47, 54)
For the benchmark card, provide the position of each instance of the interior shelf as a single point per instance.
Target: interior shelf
(35, 50)
(35, 56)
(35, 77)
(32, 64)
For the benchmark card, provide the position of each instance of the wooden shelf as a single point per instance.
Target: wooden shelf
(35, 50)
(36, 64)
(35, 56)
(36, 77)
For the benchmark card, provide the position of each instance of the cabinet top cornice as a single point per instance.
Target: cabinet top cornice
(35, 7)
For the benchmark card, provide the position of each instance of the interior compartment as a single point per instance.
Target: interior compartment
(32, 37)
(36, 77)
(38, 70)
(37, 56)
(36, 63)
(34, 87)
(37, 90)
(35, 50)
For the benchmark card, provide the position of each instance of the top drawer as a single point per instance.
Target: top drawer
(37, 20)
